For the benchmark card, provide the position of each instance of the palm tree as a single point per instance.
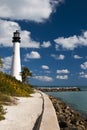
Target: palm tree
(25, 74)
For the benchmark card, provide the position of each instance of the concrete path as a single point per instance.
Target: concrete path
(49, 119)
(25, 115)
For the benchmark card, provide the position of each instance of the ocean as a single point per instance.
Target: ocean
(76, 99)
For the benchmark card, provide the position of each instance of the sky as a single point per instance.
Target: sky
(53, 39)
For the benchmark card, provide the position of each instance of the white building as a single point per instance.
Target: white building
(16, 61)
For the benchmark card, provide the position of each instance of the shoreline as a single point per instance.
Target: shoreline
(68, 118)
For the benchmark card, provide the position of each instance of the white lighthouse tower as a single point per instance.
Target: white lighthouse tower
(16, 62)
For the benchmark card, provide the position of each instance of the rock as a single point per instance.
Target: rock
(63, 124)
(73, 121)
(68, 119)
(86, 120)
(58, 89)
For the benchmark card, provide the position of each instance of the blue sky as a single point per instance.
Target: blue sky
(53, 39)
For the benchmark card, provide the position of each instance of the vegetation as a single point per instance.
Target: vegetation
(2, 112)
(1, 63)
(9, 86)
(25, 75)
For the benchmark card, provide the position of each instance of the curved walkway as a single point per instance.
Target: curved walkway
(33, 113)
(49, 119)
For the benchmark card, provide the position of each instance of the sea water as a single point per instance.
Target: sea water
(77, 99)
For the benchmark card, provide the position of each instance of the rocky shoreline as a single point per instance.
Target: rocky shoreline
(58, 89)
(68, 119)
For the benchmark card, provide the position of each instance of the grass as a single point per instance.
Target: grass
(9, 86)
(2, 112)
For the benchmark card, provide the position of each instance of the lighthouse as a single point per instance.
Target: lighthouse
(16, 61)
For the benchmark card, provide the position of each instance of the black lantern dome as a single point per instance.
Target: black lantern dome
(16, 36)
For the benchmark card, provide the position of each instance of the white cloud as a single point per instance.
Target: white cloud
(33, 55)
(83, 75)
(6, 63)
(45, 67)
(61, 57)
(47, 71)
(67, 43)
(27, 41)
(58, 57)
(64, 71)
(77, 57)
(72, 42)
(46, 44)
(34, 10)
(43, 78)
(84, 65)
(6, 33)
(62, 77)
(57, 47)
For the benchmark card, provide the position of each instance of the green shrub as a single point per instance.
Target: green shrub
(2, 112)
(9, 85)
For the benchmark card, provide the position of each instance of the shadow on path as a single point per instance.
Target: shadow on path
(39, 119)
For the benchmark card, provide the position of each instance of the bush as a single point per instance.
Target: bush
(10, 86)
(2, 112)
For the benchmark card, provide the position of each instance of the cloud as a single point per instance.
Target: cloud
(61, 57)
(64, 71)
(62, 77)
(57, 47)
(62, 74)
(84, 66)
(46, 44)
(67, 43)
(45, 67)
(47, 71)
(58, 57)
(44, 78)
(6, 64)
(83, 75)
(33, 55)
(77, 57)
(6, 33)
(33, 10)
(72, 42)
(27, 41)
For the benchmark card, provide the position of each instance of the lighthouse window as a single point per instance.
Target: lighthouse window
(16, 35)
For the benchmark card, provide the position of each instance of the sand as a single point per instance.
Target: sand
(23, 115)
